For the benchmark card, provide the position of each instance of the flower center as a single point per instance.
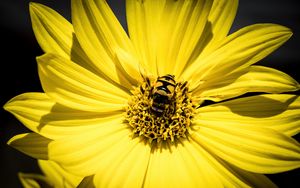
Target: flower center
(161, 109)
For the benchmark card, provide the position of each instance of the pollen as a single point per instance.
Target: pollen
(172, 123)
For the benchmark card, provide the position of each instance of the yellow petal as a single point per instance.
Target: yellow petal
(55, 34)
(31, 144)
(165, 33)
(202, 169)
(220, 19)
(127, 167)
(175, 165)
(252, 179)
(99, 33)
(182, 23)
(57, 175)
(251, 148)
(230, 175)
(42, 115)
(253, 79)
(143, 19)
(278, 111)
(130, 67)
(52, 31)
(76, 87)
(85, 153)
(237, 52)
(34, 180)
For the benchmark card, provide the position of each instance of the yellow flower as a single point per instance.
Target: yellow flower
(130, 111)
(54, 176)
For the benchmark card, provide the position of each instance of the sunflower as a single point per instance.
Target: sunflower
(160, 106)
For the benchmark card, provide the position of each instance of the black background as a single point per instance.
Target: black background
(19, 72)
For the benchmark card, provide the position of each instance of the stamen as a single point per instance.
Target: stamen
(171, 121)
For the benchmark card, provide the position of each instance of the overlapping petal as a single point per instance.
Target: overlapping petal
(220, 19)
(57, 175)
(250, 146)
(130, 67)
(254, 149)
(171, 34)
(219, 23)
(278, 112)
(188, 158)
(56, 35)
(143, 20)
(34, 180)
(54, 176)
(229, 175)
(252, 79)
(31, 144)
(42, 115)
(237, 52)
(182, 23)
(173, 165)
(96, 149)
(76, 87)
(166, 32)
(99, 33)
(252, 179)
(128, 167)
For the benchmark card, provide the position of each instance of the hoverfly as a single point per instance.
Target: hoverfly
(163, 93)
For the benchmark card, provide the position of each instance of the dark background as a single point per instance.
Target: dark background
(19, 72)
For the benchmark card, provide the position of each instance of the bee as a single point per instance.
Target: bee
(163, 93)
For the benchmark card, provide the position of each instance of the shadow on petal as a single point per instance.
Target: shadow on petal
(31, 144)
(204, 40)
(87, 182)
(78, 56)
(62, 116)
(268, 107)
